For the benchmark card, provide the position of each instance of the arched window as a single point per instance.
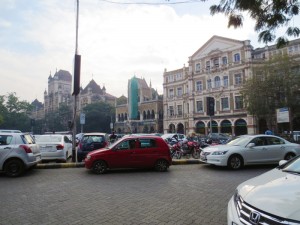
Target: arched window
(144, 115)
(152, 114)
(148, 115)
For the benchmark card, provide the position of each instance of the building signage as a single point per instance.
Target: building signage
(283, 115)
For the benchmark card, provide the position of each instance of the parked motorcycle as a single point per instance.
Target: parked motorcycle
(175, 149)
(191, 148)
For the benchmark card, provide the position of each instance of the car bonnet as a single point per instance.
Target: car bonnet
(275, 192)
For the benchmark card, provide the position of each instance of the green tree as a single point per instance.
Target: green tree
(268, 16)
(98, 117)
(274, 84)
(15, 113)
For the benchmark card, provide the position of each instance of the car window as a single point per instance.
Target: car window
(5, 139)
(27, 139)
(275, 141)
(128, 144)
(259, 141)
(148, 143)
(67, 140)
(91, 139)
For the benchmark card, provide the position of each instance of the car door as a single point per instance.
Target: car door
(258, 153)
(68, 145)
(5, 148)
(121, 155)
(275, 149)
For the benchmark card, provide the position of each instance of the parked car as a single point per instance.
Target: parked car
(54, 147)
(10, 131)
(250, 150)
(218, 137)
(90, 142)
(131, 152)
(168, 137)
(271, 198)
(18, 152)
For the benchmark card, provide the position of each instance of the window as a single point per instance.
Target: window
(171, 110)
(209, 84)
(179, 110)
(224, 103)
(238, 79)
(179, 91)
(237, 57)
(225, 81)
(171, 93)
(216, 62)
(199, 86)
(199, 106)
(147, 143)
(197, 67)
(224, 60)
(217, 82)
(238, 102)
(208, 65)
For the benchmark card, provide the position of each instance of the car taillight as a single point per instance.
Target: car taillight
(59, 147)
(26, 148)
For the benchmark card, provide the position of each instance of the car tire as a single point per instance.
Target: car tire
(14, 168)
(289, 156)
(99, 167)
(235, 162)
(161, 165)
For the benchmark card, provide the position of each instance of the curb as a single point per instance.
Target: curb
(81, 164)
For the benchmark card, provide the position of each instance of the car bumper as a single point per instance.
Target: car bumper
(232, 216)
(88, 163)
(217, 160)
(59, 155)
(33, 160)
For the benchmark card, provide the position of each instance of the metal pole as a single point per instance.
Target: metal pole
(74, 153)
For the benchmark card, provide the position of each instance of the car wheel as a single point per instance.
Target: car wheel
(289, 156)
(99, 167)
(161, 165)
(235, 162)
(14, 168)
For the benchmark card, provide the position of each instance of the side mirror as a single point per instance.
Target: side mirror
(281, 162)
(251, 145)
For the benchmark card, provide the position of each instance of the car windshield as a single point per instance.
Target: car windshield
(240, 141)
(48, 138)
(292, 166)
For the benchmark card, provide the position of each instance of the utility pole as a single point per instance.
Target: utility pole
(76, 87)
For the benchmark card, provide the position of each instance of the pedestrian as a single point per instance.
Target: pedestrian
(268, 132)
(112, 137)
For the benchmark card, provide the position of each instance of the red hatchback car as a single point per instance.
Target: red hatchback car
(131, 152)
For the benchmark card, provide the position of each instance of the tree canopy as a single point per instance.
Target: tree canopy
(274, 84)
(269, 15)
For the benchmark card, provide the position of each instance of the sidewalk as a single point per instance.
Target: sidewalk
(81, 164)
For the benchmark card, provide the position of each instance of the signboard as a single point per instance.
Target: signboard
(283, 115)
(82, 118)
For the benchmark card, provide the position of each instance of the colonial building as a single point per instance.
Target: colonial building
(94, 93)
(60, 92)
(218, 69)
(143, 111)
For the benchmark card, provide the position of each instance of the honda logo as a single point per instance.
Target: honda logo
(254, 217)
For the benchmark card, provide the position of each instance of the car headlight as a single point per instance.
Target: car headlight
(88, 157)
(219, 153)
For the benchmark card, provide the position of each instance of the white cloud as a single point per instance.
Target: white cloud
(116, 42)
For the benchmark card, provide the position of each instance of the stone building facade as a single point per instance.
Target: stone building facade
(143, 111)
(218, 69)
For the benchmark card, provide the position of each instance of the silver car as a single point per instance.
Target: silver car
(250, 150)
(271, 198)
(18, 152)
(54, 147)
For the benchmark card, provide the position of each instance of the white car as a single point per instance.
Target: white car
(54, 147)
(271, 198)
(250, 150)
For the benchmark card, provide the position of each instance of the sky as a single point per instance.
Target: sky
(116, 41)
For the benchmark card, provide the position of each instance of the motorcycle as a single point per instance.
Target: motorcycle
(175, 150)
(191, 148)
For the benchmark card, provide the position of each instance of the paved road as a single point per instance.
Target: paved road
(186, 194)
